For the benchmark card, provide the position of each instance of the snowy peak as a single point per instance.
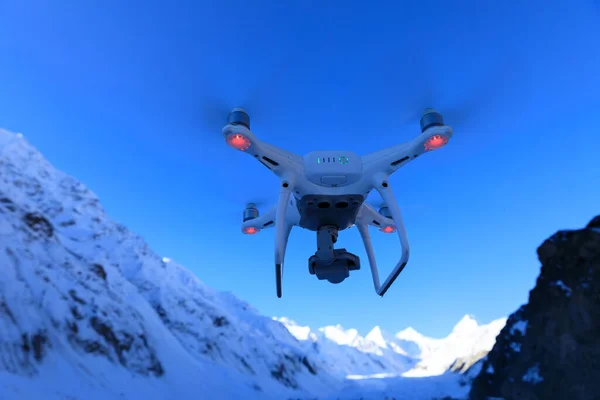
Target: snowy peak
(299, 332)
(467, 324)
(409, 334)
(377, 336)
(339, 335)
(408, 353)
(7, 136)
(468, 342)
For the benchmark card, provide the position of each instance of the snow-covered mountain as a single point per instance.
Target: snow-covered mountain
(83, 297)
(468, 340)
(407, 353)
(346, 353)
(88, 311)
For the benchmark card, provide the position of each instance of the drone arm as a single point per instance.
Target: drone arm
(373, 218)
(267, 220)
(274, 158)
(367, 215)
(389, 160)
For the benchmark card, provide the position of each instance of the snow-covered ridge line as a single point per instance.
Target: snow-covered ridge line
(408, 352)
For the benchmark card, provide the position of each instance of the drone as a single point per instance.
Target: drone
(325, 192)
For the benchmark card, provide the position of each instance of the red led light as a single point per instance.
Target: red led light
(388, 229)
(250, 230)
(238, 141)
(435, 142)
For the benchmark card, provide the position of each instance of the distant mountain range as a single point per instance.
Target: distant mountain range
(407, 353)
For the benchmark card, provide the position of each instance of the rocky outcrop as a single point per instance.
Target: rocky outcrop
(550, 347)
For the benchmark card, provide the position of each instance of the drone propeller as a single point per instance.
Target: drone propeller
(257, 204)
(378, 203)
(254, 97)
(214, 112)
(239, 208)
(426, 90)
(260, 204)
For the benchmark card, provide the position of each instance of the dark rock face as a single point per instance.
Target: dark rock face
(550, 347)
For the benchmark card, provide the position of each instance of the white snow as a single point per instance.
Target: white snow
(5, 228)
(299, 332)
(409, 334)
(467, 339)
(533, 375)
(567, 290)
(407, 354)
(372, 376)
(376, 336)
(340, 335)
(346, 353)
(390, 387)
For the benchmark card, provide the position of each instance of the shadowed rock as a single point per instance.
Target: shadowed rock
(550, 347)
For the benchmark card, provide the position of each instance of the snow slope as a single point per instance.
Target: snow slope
(82, 296)
(88, 311)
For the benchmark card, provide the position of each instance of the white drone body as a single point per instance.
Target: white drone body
(325, 191)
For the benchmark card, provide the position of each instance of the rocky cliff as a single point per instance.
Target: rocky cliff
(550, 347)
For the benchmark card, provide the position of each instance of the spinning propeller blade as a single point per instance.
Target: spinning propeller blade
(238, 206)
(263, 203)
(255, 98)
(377, 203)
(459, 106)
(213, 114)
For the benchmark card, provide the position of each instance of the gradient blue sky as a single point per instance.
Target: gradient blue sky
(110, 91)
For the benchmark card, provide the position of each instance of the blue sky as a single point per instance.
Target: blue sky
(111, 92)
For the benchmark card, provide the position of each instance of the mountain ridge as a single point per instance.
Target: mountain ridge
(409, 355)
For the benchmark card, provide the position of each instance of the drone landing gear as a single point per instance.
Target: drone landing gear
(333, 265)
